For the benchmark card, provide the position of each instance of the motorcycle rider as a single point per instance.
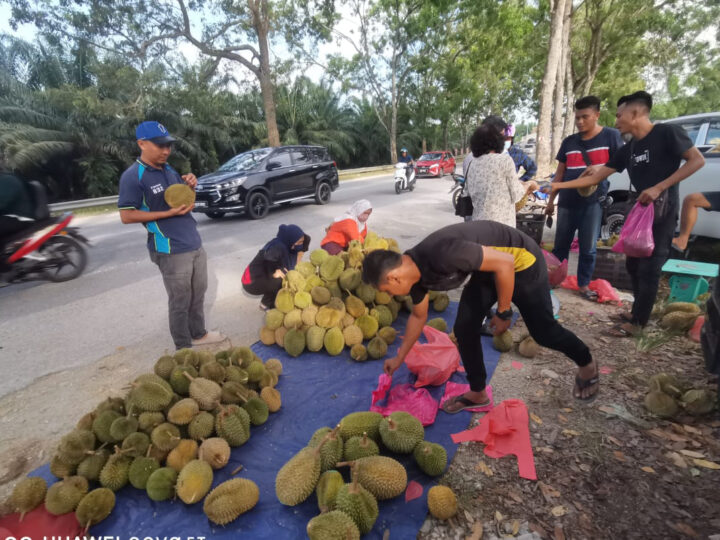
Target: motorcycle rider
(17, 206)
(405, 157)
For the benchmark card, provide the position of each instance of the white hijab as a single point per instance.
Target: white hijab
(357, 208)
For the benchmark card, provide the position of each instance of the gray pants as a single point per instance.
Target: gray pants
(185, 279)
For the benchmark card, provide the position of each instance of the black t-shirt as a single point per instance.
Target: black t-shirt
(653, 158)
(600, 149)
(449, 255)
(266, 262)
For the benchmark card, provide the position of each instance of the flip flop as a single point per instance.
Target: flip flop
(581, 384)
(622, 317)
(589, 295)
(618, 331)
(467, 404)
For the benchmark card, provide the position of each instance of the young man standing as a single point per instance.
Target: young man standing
(173, 240)
(581, 212)
(504, 265)
(652, 158)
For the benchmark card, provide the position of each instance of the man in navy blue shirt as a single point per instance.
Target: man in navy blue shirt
(578, 211)
(173, 240)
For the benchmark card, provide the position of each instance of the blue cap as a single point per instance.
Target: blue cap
(153, 131)
(403, 149)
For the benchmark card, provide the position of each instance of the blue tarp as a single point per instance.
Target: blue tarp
(317, 390)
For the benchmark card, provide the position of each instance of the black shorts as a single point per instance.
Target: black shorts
(713, 198)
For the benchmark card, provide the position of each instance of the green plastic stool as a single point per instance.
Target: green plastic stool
(692, 283)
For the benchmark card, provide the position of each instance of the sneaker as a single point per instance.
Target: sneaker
(263, 307)
(210, 338)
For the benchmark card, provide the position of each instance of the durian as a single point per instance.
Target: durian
(216, 451)
(182, 454)
(64, 496)
(442, 502)
(230, 499)
(194, 481)
(401, 432)
(95, 507)
(327, 489)
(503, 342)
(333, 525)
(161, 484)
(27, 495)
(430, 457)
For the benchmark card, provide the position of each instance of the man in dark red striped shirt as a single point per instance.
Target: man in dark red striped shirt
(580, 210)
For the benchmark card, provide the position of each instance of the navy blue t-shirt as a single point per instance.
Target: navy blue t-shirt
(600, 149)
(142, 187)
(405, 159)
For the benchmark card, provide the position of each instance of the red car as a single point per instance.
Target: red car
(437, 163)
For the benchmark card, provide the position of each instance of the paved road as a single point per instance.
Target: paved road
(119, 302)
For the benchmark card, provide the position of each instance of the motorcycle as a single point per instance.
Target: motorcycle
(48, 249)
(402, 182)
(457, 188)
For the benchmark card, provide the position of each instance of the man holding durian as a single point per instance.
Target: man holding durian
(504, 265)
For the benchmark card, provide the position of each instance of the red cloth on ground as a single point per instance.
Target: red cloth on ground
(40, 523)
(504, 430)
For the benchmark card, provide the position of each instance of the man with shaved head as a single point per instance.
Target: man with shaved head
(653, 158)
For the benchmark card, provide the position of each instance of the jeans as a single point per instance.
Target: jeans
(645, 272)
(532, 298)
(185, 279)
(585, 220)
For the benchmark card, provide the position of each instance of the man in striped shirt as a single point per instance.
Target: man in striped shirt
(578, 210)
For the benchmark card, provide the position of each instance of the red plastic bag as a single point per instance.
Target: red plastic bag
(605, 291)
(433, 362)
(40, 523)
(403, 397)
(557, 271)
(636, 236)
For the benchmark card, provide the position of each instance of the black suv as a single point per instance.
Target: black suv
(254, 181)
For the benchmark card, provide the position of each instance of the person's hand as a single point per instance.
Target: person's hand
(550, 209)
(532, 185)
(498, 325)
(278, 274)
(181, 210)
(392, 364)
(589, 171)
(190, 179)
(649, 195)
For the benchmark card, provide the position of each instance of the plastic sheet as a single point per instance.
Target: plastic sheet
(387, 399)
(39, 523)
(605, 291)
(433, 362)
(636, 236)
(317, 390)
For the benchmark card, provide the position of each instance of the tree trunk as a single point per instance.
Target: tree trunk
(424, 145)
(393, 112)
(445, 135)
(560, 111)
(267, 88)
(569, 97)
(548, 87)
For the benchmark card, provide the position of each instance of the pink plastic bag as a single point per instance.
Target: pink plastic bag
(636, 236)
(433, 362)
(403, 397)
(557, 271)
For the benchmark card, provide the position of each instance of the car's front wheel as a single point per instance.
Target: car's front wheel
(258, 205)
(323, 192)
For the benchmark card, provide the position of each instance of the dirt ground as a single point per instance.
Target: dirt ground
(606, 469)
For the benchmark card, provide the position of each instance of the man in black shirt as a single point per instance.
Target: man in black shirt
(504, 265)
(652, 158)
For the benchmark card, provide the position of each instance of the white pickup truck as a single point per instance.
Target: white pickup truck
(704, 131)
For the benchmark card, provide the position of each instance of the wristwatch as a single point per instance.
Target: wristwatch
(504, 315)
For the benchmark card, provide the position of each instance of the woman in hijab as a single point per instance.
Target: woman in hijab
(350, 226)
(264, 275)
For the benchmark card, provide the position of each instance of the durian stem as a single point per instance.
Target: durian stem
(391, 424)
(147, 454)
(22, 515)
(345, 464)
(188, 376)
(354, 475)
(364, 442)
(236, 470)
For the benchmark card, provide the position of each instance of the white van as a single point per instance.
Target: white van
(704, 131)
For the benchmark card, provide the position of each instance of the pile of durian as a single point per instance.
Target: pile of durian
(325, 304)
(669, 395)
(173, 428)
(349, 509)
(677, 316)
